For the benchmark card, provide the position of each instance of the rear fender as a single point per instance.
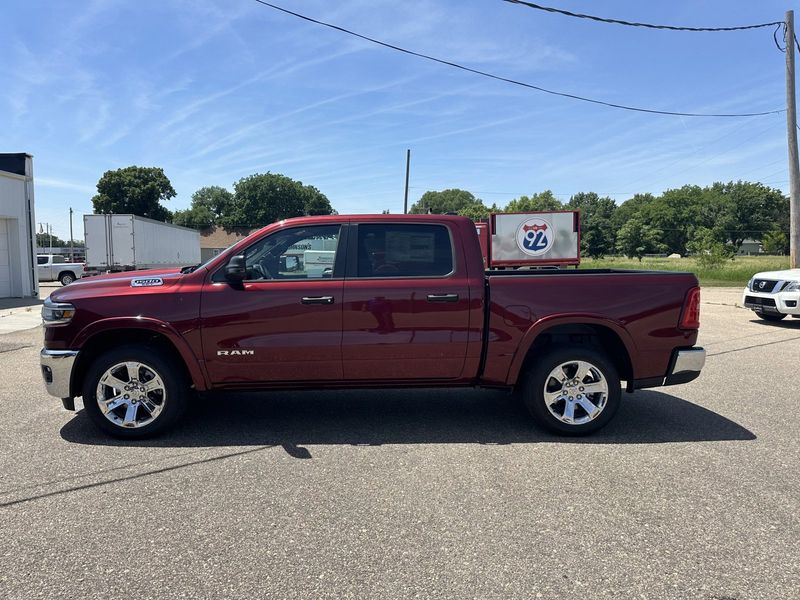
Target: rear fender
(541, 326)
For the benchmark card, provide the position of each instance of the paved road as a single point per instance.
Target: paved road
(692, 492)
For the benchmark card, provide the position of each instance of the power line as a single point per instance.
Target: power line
(635, 24)
(512, 81)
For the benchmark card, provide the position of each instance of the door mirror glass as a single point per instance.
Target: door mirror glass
(235, 271)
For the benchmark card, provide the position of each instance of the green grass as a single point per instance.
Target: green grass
(734, 273)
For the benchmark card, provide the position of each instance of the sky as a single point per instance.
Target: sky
(216, 90)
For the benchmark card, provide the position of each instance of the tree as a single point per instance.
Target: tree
(709, 251)
(136, 190)
(597, 230)
(209, 205)
(262, 199)
(635, 207)
(635, 239)
(775, 242)
(537, 202)
(44, 240)
(749, 210)
(316, 202)
(479, 211)
(452, 200)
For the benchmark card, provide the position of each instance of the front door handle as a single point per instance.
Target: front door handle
(317, 300)
(442, 297)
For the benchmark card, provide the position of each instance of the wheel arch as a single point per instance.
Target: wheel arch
(110, 333)
(605, 335)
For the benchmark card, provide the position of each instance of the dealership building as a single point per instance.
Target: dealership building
(18, 278)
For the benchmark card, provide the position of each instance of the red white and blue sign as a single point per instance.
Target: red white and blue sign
(535, 236)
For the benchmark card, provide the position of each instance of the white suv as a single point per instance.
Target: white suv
(774, 294)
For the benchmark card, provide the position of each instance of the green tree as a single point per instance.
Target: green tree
(710, 252)
(635, 239)
(776, 242)
(537, 202)
(452, 200)
(749, 210)
(43, 240)
(636, 207)
(135, 190)
(316, 202)
(209, 205)
(597, 230)
(476, 212)
(262, 199)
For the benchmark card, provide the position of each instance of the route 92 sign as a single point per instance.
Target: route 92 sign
(535, 236)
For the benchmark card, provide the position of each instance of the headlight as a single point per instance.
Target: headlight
(794, 286)
(750, 284)
(57, 313)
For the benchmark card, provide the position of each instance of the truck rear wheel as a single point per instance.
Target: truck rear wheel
(135, 392)
(573, 390)
(66, 278)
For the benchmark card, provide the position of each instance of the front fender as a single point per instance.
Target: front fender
(156, 326)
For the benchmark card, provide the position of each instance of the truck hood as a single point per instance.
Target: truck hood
(787, 275)
(130, 282)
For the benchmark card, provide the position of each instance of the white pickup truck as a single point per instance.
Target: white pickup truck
(54, 267)
(774, 294)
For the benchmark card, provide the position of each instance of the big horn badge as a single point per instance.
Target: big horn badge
(535, 236)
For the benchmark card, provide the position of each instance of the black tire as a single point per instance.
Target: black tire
(538, 376)
(770, 316)
(66, 278)
(171, 403)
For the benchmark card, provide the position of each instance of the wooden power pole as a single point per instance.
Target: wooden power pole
(408, 170)
(791, 130)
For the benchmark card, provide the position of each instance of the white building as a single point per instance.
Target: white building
(17, 234)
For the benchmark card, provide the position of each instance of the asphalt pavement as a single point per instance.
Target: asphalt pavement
(693, 491)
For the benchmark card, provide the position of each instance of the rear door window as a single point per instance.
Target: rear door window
(404, 250)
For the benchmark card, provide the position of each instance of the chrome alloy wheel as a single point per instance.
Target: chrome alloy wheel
(131, 394)
(575, 392)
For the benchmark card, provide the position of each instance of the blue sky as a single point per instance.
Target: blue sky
(215, 90)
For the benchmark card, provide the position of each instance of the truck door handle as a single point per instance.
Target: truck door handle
(317, 300)
(442, 297)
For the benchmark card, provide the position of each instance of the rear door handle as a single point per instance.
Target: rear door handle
(442, 297)
(317, 300)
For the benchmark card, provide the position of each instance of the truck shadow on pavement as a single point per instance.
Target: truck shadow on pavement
(375, 417)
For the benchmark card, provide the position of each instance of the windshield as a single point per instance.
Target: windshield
(193, 268)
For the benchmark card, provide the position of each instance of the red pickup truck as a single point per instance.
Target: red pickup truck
(366, 301)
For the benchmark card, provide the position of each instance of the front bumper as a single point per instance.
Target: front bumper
(684, 366)
(57, 371)
(781, 303)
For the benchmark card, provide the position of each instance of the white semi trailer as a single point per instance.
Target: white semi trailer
(129, 242)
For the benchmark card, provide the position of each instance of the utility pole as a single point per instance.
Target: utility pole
(791, 130)
(71, 249)
(408, 170)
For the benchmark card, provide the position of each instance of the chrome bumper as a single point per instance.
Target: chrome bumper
(686, 366)
(57, 371)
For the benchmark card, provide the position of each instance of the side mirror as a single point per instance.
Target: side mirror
(235, 271)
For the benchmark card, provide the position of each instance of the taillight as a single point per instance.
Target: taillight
(690, 316)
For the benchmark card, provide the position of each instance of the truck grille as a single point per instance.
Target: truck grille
(764, 286)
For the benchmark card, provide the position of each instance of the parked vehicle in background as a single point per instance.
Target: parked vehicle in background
(117, 243)
(406, 301)
(54, 267)
(773, 295)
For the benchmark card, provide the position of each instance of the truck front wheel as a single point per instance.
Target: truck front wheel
(135, 392)
(572, 390)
